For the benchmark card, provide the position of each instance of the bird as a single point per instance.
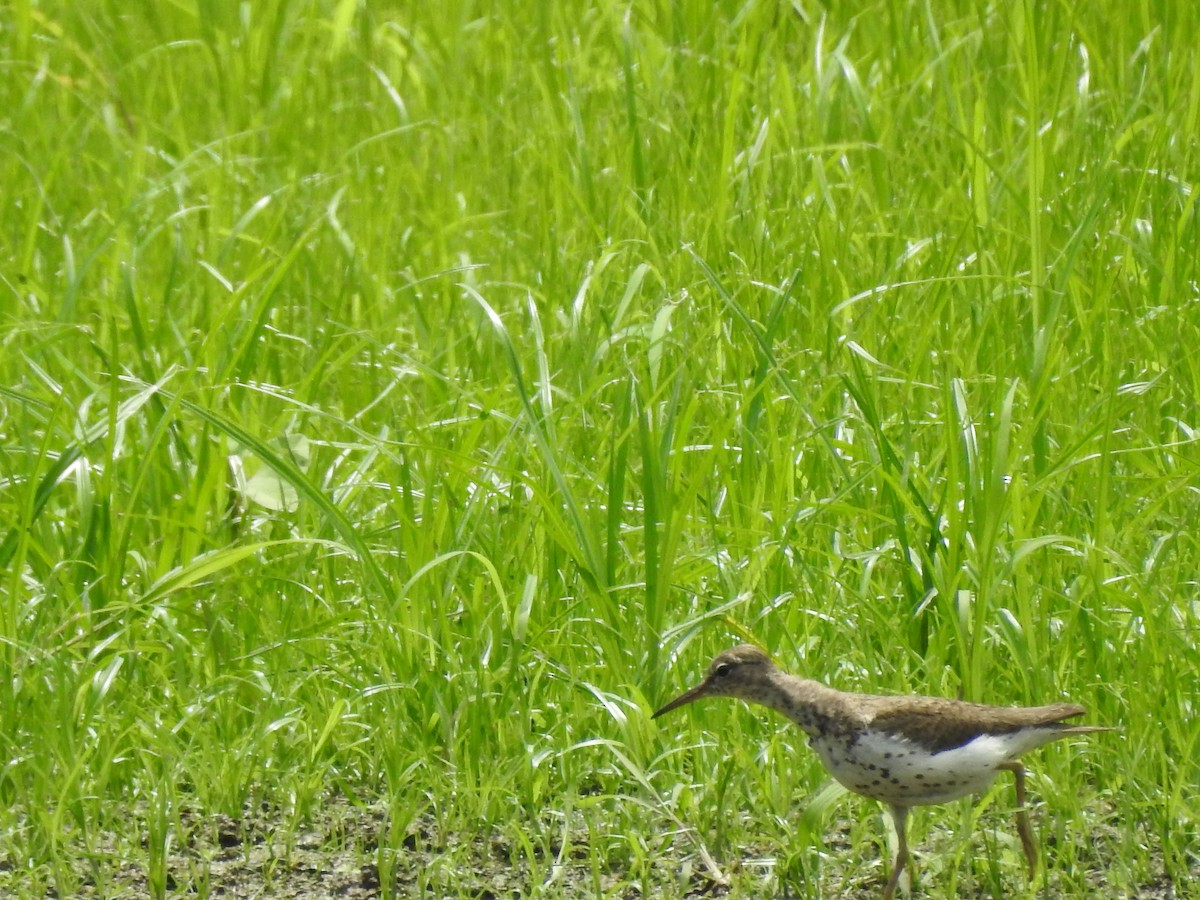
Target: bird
(903, 751)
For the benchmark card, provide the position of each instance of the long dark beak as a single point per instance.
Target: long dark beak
(700, 690)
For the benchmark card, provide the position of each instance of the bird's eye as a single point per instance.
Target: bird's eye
(722, 670)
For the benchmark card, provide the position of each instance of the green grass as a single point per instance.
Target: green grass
(397, 402)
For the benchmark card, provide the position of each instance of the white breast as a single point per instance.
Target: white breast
(896, 770)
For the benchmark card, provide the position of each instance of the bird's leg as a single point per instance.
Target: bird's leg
(1023, 828)
(899, 817)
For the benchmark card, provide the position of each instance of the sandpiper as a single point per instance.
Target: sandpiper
(902, 751)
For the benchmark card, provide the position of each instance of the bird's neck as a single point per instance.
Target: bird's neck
(817, 709)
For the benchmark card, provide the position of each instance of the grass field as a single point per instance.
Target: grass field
(399, 401)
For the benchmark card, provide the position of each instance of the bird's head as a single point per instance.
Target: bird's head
(737, 672)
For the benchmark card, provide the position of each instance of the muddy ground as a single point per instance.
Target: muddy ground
(240, 858)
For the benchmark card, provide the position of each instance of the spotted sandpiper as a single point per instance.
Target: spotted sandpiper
(902, 751)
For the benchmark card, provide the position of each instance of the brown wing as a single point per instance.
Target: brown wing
(943, 724)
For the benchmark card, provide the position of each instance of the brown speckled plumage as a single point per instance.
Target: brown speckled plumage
(903, 751)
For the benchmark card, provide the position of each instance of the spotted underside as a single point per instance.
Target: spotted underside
(897, 770)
